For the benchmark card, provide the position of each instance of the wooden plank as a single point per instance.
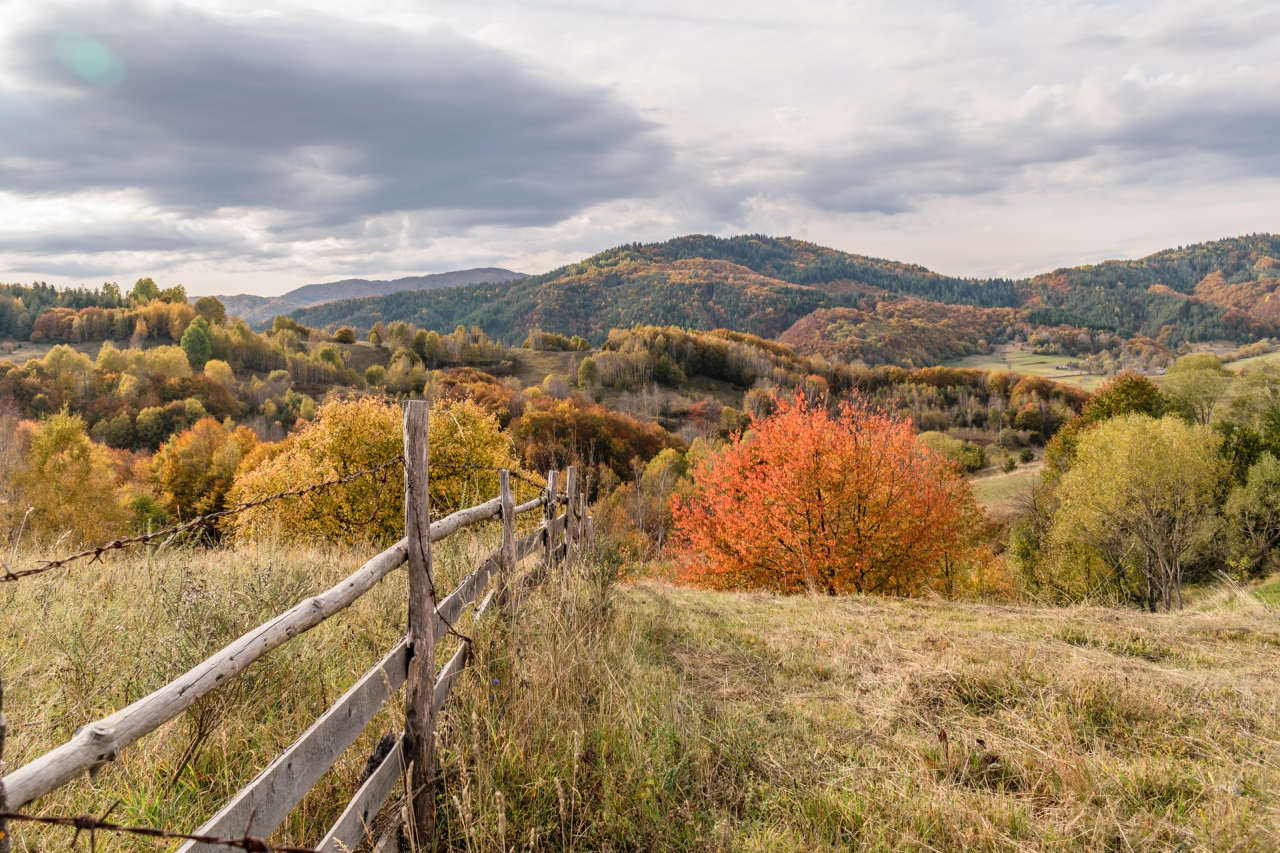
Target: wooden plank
(466, 591)
(529, 545)
(449, 674)
(101, 741)
(352, 825)
(282, 784)
(418, 743)
(350, 828)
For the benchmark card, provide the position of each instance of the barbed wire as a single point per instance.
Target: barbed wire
(94, 825)
(515, 472)
(97, 551)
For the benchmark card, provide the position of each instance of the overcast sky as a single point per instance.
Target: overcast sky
(237, 150)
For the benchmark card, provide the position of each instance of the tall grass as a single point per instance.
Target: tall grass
(647, 717)
(78, 645)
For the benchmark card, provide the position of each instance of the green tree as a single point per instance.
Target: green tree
(176, 295)
(114, 432)
(1128, 393)
(148, 429)
(1194, 385)
(1139, 498)
(1252, 514)
(588, 373)
(144, 290)
(212, 309)
(197, 343)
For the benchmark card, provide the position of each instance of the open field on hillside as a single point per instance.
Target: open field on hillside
(1253, 361)
(1012, 357)
(1000, 493)
(648, 717)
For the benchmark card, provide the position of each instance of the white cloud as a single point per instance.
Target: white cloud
(262, 150)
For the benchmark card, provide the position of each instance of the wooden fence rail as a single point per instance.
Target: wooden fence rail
(280, 786)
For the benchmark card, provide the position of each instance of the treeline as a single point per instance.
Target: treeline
(933, 398)
(804, 263)
(754, 284)
(762, 285)
(1153, 296)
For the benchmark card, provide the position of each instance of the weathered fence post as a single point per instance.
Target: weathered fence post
(508, 537)
(419, 695)
(4, 805)
(570, 517)
(549, 516)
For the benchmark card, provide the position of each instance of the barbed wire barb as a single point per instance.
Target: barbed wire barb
(92, 825)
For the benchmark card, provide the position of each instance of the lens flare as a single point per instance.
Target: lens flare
(89, 59)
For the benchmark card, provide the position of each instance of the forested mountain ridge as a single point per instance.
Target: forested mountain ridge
(756, 284)
(765, 285)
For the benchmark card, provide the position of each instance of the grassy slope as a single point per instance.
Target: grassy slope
(1012, 358)
(652, 717)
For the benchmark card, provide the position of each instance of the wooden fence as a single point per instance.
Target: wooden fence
(274, 792)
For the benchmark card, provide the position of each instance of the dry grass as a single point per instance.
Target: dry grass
(687, 720)
(78, 646)
(646, 717)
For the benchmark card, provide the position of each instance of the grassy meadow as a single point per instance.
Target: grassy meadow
(642, 716)
(1013, 358)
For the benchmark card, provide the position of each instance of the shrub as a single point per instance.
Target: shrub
(836, 502)
(465, 443)
(345, 335)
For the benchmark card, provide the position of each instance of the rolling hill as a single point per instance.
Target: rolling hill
(824, 300)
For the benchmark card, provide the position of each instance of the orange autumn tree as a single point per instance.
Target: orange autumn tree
(832, 501)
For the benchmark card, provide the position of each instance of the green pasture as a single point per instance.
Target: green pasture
(1030, 363)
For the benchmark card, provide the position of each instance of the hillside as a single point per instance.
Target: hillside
(257, 310)
(675, 719)
(872, 309)
(755, 284)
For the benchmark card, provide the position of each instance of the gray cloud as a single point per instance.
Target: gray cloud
(323, 123)
(1132, 129)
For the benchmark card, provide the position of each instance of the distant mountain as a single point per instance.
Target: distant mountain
(852, 305)
(356, 288)
(257, 310)
(753, 284)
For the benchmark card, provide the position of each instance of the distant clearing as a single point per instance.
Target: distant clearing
(1010, 357)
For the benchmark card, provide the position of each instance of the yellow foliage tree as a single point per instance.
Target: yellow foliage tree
(466, 445)
(70, 484)
(1138, 502)
(196, 468)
